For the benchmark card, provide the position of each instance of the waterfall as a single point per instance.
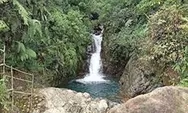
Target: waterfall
(95, 61)
(95, 74)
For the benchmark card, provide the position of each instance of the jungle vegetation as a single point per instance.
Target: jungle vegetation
(49, 37)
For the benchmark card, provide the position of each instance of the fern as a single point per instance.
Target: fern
(23, 56)
(34, 27)
(21, 47)
(22, 11)
(25, 53)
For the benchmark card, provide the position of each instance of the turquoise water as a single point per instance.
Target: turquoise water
(108, 90)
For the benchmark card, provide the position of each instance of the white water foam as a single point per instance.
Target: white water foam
(95, 75)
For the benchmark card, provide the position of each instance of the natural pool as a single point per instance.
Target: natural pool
(108, 90)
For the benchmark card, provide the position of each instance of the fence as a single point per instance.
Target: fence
(8, 72)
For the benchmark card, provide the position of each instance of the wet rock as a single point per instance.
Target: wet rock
(98, 29)
(168, 99)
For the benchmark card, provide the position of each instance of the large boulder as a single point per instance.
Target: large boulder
(139, 77)
(68, 101)
(168, 99)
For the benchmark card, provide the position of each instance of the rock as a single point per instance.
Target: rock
(139, 77)
(98, 29)
(103, 105)
(55, 110)
(87, 95)
(68, 101)
(168, 99)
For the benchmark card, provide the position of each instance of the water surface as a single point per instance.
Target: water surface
(108, 90)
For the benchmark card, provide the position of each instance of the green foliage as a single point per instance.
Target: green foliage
(126, 42)
(184, 82)
(182, 68)
(125, 28)
(3, 26)
(146, 6)
(156, 28)
(34, 28)
(46, 36)
(151, 6)
(24, 53)
(169, 35)
(70, 39)
(22, 11)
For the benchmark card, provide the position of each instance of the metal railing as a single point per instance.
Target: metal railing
(12, 78)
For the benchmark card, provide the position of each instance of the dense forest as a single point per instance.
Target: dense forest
(50, 37)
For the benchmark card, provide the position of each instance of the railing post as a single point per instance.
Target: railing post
(4, 60)
(32, 83)
(4, 55)
(12, 89)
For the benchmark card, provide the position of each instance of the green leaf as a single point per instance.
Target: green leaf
(31, 53)
(37, 27)
(22, 58)
(186, 49)
(184, 68)
(21, 47)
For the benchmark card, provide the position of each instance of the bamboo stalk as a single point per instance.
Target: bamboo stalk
(21, 79)
(32, 91)
(19, 70)
(12, 87)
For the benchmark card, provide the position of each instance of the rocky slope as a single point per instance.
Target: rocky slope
(168, 99)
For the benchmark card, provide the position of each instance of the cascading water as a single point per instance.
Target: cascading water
(95, 74)
(94, 82)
